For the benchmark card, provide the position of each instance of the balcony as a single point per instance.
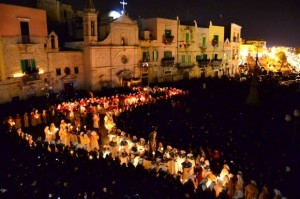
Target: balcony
(203, 62)
(31, 77)
(184, 66)
(25, 39)
(168, 39)
(216, 62)
(167, 61)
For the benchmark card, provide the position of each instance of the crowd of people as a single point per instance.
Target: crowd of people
(174, 149)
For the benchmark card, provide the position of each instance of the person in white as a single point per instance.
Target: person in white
(96, 121)
(94, 140)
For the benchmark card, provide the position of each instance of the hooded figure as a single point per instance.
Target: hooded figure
(48, 134)
(124, 158)
(186, 168)
(96, 121)
(53, 131)
(26, 120)
(224, 171)
(85, 141)
(18, 121)
(264, 194)
(277, 194)
(94, 140)
(251, 190)
(113, 144)
(239, 187)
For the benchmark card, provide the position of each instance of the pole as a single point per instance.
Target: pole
(148, 89)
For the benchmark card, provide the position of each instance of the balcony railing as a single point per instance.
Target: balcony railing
(216, 62)
(168, 39)
(31, 77)
(25, 39)
(167, 61)
(203, 62)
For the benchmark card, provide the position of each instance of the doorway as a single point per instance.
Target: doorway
(69, 87)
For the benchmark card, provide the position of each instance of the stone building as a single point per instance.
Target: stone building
(232, 47)
(158, 49)
(102, 52)
(23, 49)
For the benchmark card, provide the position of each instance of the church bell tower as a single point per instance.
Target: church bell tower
(90, 23)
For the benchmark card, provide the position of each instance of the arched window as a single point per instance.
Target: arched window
(93, 28)
(52, 41)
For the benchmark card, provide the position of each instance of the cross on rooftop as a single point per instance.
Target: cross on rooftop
(123, 3)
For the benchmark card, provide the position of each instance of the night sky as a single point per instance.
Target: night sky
(278, 22)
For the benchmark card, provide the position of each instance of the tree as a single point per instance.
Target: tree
(282, 58)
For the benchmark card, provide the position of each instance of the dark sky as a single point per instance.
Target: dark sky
(277, 21)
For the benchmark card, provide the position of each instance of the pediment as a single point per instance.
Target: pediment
(125, 20)
(69, 78)
(52, 33)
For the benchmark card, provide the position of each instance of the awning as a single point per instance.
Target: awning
(125, 74)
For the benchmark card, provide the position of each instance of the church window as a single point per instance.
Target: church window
(93, 28)
(58, 71)
(76, 70)
(52, 41)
